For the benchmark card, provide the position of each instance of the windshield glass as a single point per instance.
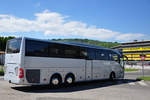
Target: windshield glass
(13, 46)
(121, 62)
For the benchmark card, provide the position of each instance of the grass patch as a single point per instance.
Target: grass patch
(1, 71)
(144, 78)
(129, 70)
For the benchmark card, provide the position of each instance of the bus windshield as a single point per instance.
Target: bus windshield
(13, 46)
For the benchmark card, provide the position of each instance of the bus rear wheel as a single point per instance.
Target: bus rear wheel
(56, 80)
(69, 79)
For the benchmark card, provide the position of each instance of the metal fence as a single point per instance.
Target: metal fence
(2, 59)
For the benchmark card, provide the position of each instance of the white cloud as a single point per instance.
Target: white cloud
(131, 36)
(52, 23)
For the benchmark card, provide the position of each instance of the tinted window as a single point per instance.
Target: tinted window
(71, 51)
(46, 49)
(91, 54)
(36, 48)
(115, 57)
(55, 50)
(13, 46)
(83, 53)
(102, 55)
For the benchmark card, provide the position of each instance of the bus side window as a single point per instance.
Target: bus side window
(38, 49)
(71, 52)
(91, 54)
(83, 53)
(102, 55)
(55, 50)
(110, 56)
(115, 57)
(106, 52)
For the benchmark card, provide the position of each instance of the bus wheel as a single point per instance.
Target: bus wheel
(69, 79)
(56, 80)
(112, 76)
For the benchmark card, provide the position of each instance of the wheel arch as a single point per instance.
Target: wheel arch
(56, 74)
(112, 72)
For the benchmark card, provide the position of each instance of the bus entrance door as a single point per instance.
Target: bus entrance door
(88, 69)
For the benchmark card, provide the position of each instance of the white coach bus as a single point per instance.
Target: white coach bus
(39, 62)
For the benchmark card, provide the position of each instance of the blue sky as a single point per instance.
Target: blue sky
(105, 20)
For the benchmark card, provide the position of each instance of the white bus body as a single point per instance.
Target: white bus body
(39, 62)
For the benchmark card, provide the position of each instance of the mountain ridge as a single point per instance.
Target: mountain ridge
(3, 41)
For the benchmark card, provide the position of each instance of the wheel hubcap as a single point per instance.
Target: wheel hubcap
(69, 80)
(55, 81)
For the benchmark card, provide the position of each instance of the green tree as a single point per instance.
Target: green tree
(3, 41)
(93, 42)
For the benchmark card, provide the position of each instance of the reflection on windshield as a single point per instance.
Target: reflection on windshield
(122, 62)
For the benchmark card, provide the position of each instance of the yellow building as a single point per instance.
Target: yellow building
(134, 50)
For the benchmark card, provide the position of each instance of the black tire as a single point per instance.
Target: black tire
(56, 80)
(69, 79)
(112, 76)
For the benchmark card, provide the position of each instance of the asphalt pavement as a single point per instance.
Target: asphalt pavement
(135, 74)
(126, 89)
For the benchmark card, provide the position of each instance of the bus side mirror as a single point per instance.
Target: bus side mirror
(126, 58)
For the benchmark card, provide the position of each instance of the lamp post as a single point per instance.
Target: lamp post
(142, 59)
